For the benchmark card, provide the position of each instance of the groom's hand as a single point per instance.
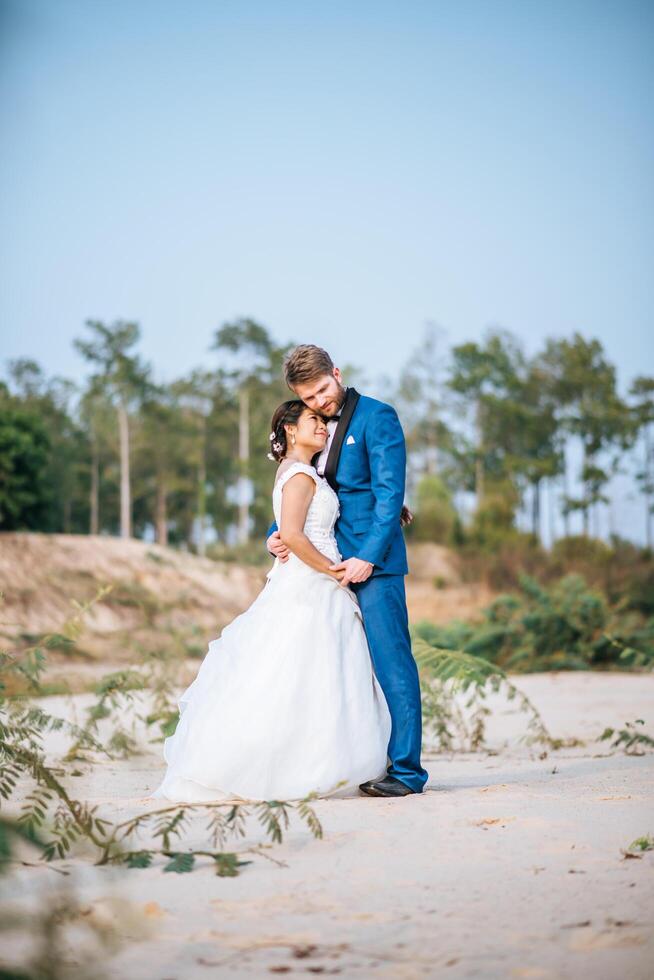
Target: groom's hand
(277, 547)
(355, 570)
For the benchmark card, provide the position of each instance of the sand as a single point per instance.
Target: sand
(508, 865)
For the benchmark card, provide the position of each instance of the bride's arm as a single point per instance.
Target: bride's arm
(297, 494)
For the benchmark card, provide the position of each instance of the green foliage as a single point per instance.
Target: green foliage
(517, 554)
(44, 918)
(579, 550)
(60, 478)
(139, 859)
(436, 517)
(446, 672)
(508, 402)
(642, 393)
(632, 741)
(227, 865)
(642, 844)
(53, 819)
(622, 571)
(590, 410)
(181, 862)
(561, 627)
(482, 417)
(493, 522)
(25, 494)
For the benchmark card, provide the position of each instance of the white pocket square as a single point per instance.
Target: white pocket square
(349, 441)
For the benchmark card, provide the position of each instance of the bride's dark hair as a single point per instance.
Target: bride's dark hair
(288, 413)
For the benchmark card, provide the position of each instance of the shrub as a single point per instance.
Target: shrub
(567, 625)
(493, 522)
(435, 518)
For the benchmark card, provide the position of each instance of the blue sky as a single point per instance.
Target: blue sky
(342, 172)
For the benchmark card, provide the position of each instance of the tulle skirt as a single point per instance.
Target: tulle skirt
(285, 702)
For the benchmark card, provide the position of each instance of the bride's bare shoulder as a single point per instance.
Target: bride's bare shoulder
(283, 466)
(286, 465)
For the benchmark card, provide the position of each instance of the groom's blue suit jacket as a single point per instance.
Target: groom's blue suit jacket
(366, 466)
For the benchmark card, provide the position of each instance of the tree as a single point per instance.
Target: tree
(195, 396)
(436, 518)
(583, 383)
(494, 521)
(52, 401)
(25, 493)
(160, 459)
(527, 432)
(642, 391)
(255, 373)
(125, 380)
(97, 417)
(421, 402)
(485, 375)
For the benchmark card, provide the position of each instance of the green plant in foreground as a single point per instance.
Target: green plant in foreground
(35, 943)
(445, 672)
(638, 847)
(157, 672)
(52, 816)
(629, 738)
(73, 820)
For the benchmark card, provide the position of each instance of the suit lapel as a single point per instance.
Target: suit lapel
(331, 465)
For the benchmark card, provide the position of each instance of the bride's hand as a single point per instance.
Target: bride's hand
(277, 547)
(355, 569)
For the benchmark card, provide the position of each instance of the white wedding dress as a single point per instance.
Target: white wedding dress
(286, 700)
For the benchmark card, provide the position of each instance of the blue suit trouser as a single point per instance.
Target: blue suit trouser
(382, 599)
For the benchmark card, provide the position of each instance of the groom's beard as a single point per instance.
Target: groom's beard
(339, 401)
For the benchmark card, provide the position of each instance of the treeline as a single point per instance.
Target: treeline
(486, 425)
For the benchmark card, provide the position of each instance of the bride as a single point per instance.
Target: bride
(286, 701)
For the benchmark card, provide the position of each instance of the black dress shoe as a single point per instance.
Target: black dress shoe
(388, 786)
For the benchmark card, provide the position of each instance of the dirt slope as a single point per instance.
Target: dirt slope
(162, 598)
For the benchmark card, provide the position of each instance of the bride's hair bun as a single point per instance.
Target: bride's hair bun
(288, 413)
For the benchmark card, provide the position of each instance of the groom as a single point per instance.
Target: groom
(364, 460)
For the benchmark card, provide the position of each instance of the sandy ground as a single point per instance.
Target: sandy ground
(508, 865)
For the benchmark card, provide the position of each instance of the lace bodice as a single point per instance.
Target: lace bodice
(323, 510)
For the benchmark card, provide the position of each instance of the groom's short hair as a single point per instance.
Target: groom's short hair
(306, 363)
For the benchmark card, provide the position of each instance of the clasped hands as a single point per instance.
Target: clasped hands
(353, 569)
(349, 570)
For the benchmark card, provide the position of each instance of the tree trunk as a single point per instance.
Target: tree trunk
(611, 518)
(586, 505)
(162, 513)
(595, 518)
(67, 509)
(535, 508)
(550, 511)
(202, 492)
(95, 487)
(125, 502)
(479, 461)
(432, 457)
(244, 459)
(648, 484)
